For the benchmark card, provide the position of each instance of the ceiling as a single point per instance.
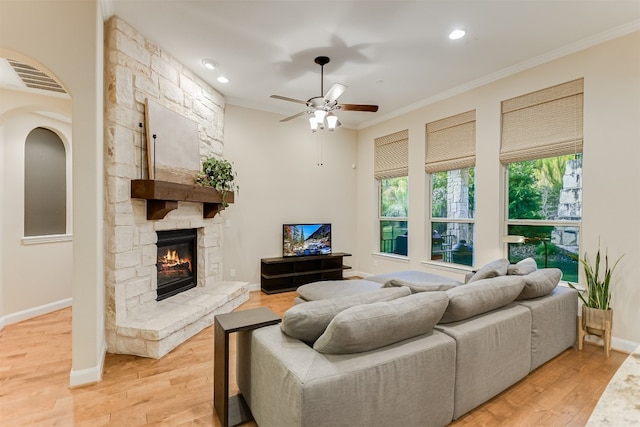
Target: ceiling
(394, 53)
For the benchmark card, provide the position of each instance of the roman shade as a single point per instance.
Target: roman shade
(546, 123)
(451, 143)
(392, 155)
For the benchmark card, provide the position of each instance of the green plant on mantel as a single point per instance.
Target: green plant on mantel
(598, 292)
(219, 174)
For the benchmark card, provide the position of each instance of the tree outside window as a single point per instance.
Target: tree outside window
(452, 214)
(394, 212)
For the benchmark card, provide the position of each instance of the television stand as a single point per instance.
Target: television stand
(284, 274)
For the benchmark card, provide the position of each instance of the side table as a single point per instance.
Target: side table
(233, 410)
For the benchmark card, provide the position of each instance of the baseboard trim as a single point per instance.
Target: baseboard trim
(34, 312)
(616, 343)
(88, 376)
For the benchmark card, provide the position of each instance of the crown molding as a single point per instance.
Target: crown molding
(583, 44)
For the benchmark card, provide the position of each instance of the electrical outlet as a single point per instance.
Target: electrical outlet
(233, 272)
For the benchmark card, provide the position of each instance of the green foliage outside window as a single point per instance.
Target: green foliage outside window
(535, 186)
(394, 197)
(394, 203)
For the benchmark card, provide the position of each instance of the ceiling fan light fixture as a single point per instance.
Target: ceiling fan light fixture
(313, 123)
(320, 115)
(332, 121)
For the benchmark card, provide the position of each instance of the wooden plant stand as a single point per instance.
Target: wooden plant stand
(596, 322)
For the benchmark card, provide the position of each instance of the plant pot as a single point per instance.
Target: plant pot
(597, 322)
(595, 319)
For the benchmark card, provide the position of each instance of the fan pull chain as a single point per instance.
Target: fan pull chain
(320, 149)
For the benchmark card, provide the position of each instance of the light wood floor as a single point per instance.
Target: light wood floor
(177, 390)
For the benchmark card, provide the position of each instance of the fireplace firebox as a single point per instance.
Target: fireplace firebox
(177, 262)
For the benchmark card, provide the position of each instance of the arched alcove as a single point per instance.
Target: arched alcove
(45, 187)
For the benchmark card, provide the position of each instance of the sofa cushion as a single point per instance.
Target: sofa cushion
(522, 268)
(481, 296)
(493, 269)
(370, 326)
(540, 283)
(412, 276)
(335, 288)
(308, 321)
(417, 286)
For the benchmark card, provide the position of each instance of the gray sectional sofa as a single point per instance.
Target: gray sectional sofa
(406, 349)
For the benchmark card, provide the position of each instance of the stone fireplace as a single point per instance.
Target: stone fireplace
(137, 320)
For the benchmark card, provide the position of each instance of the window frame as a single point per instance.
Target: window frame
(534, 222)
(390, 218)
(431, 220)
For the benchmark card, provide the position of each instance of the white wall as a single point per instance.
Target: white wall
(65, 38)
(611, 74)
(281, 182)
(27, 290)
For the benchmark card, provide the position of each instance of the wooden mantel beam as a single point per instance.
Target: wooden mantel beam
(163, 197)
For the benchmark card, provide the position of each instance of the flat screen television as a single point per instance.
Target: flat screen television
(306, 239)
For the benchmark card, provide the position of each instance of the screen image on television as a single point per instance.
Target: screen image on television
(306, 239)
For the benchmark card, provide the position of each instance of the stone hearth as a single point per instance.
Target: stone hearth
(135, 323)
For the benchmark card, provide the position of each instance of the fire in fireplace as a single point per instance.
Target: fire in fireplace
(177, 259)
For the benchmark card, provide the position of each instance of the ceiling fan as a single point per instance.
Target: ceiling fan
(323, 106)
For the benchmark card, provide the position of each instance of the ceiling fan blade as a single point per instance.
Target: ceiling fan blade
(359, 107)
(286, 119)
(284, 98)
(335, 91)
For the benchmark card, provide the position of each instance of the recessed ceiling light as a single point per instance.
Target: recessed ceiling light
(209, 64)
(457, 34)
(223, 79)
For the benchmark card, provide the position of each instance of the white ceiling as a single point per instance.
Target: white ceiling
(392, 53)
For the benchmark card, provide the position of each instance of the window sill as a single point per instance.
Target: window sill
(394, 257)
(579, 288)
(53, 238)
(454, 268)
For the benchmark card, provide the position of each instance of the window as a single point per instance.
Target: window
(391, 173)
(393, 215)
(452, 213)
(545, 207)
(542, 151)
(45, 194)
(450, 161)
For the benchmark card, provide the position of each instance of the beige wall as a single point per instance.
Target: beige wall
(29, 291)
(611, 74)
(280, 182)
(65, 37)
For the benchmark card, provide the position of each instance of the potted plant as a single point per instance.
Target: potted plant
(219, 174)
(597, 315)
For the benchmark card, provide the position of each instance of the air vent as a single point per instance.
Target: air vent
(34, 78)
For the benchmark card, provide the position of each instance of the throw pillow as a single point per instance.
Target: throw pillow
(540, 283)
(522, 268)
(370, 326)
(481, 296)
(419, 286)
(308, 321)
(493, 269)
